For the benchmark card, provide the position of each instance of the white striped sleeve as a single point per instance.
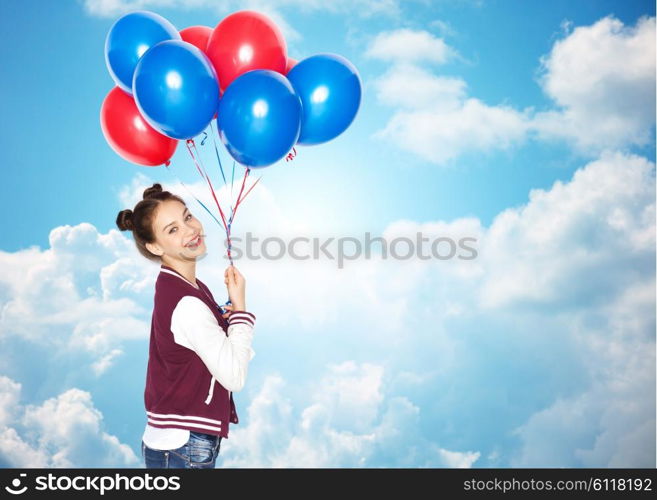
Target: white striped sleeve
(227, 357)
(241, 322)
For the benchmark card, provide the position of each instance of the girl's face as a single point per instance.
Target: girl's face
(178, 234)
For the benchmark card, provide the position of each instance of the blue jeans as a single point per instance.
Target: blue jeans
(199, 452)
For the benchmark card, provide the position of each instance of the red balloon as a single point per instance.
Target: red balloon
(129, 135)
(197, 36)
(291, 63)
(244, 41)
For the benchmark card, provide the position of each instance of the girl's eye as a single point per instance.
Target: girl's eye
(173, 228)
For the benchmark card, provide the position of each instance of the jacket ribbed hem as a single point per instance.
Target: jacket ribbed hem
(201, 424)
(243, 317)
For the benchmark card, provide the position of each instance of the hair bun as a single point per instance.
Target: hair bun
(124, 220)
(152, 191)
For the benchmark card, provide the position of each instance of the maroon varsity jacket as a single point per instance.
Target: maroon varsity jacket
(181, 392)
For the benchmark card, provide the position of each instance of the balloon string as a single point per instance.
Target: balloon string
(230, 221)
(216, 151)
(232, 181)
(249, 190)
(239, 196)
(290, 156)
(199, 166)
(218, 161)
(192, 194)
(209, 181)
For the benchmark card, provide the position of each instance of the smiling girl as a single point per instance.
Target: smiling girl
(197, 356)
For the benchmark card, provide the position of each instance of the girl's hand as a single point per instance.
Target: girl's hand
(236, 285)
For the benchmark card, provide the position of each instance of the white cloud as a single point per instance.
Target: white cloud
(132, 193)
(64, 431)
(69, 427)
(15, 452)
(440, 135)
(443, 27)
(602, 79)
(583, 253)
(101, 366)
(406, 45)
(459, 460)
(434, 117)
(548, 251)
(73, 295)
(573, 269)
(443, 94)
(349, 422)
(611, 425)
(9, 395)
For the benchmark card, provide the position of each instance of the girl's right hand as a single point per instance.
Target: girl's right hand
(236, 285)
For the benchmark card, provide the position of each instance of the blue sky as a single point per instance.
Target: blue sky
(529, 125)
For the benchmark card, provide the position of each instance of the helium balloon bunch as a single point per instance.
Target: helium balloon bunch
(171, 85)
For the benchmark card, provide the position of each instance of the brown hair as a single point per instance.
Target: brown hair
(140, 219)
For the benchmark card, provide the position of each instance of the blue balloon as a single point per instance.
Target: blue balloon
(176, 89)
(259, 118)
(330, 90)
(129, 38)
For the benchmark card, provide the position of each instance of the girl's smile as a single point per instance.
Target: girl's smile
(195, 242)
